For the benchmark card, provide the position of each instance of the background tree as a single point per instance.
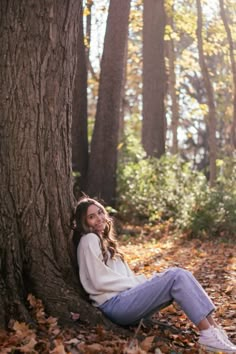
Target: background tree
(103, 156)
(79, 112)
(172, 76)
(133, 88)
(210, 98)
(88, 15)
(193, 132)
(233, 66)
(154, 78)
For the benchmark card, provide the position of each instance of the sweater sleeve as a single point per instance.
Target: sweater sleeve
(98, 278)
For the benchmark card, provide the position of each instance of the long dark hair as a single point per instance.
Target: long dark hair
(80, 227)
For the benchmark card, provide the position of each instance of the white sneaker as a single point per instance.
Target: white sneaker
(225, 338)
(211, 340)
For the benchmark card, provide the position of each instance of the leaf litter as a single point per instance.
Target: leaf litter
(211, 261)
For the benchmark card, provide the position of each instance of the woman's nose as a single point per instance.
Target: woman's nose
(99, 217)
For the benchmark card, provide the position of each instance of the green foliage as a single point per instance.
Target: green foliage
(215, 214)
(156, 190)
(215, 211)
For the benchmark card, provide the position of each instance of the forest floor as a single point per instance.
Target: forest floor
(147, 250)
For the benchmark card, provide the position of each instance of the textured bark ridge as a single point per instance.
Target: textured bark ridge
(38, 56)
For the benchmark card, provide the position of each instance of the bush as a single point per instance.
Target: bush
(158, 189)
(215, 213)
(155, 190)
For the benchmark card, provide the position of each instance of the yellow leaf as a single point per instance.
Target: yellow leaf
(120, 146)
(86, 11)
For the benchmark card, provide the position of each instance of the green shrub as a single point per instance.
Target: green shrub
(215, 213)
(158, 189)
(155, 190)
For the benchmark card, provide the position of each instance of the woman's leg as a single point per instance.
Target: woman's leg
(203, 325)
(175, 284)
(211, 321)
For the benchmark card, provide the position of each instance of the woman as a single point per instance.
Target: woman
(126, 298)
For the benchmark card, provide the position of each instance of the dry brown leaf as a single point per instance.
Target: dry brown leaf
(28, 348)
(231, 289)
(133, 348)
(94, 348)
(146, 344)
(21, 328)
(74, 341)
(59, 348)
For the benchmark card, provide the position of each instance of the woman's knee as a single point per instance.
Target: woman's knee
(179, 271)
(183, 274)
(178, 274)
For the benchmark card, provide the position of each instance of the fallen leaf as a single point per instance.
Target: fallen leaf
(146, 344)
(72, 341)
(59, 348)
(28, 348)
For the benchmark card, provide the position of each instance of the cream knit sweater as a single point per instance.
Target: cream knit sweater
(103, 281)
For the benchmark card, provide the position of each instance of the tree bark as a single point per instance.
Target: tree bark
(123, 101)
(210, 98)
(38, 51)
(80, 153)
(103, 155)
(154, 78)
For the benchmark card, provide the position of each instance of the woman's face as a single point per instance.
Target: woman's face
(96, 219)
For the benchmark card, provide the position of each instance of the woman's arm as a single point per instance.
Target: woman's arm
(96, 277)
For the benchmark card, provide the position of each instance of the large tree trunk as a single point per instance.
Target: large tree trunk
(103, 156)
(38, 52)
(80, 120)
(154, 78)
(210, 98)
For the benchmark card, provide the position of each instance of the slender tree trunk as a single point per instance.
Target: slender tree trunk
(210, 98)
(79, 116)
(38, 50)
(122, 110)
(89, 5)
(172, 86)
(103, 156)
(233, 65)
(154, 78)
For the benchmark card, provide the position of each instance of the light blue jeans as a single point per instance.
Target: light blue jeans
(142, 301)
